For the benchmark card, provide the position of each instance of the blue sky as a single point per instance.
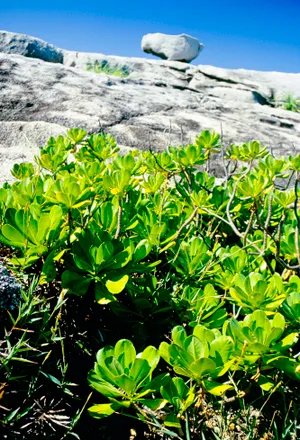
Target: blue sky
(253, 34)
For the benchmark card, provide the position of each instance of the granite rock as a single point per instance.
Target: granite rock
(158, 104)
(172, 47)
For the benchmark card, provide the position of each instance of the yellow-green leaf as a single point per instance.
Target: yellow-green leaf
(216, 388)
(117, 286)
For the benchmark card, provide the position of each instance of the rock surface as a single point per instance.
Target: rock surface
(172, 47)
(10, 290)
(159, 103)
(31, 47)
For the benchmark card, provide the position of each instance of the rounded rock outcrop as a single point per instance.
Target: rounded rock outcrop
(172, 47)
(31, 47)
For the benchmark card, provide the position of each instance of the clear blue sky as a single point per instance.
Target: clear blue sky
(253, 34)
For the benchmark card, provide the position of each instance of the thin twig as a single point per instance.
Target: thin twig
(249, 226)
(119, 220)
(267, 222)
(186, 223)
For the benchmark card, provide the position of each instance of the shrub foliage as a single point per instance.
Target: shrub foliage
(181, 288)
(106, 68)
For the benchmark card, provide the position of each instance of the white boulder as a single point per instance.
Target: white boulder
(172, 47)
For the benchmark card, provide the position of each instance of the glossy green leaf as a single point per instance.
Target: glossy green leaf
(216, 388)
(118, 285)
(103, 410)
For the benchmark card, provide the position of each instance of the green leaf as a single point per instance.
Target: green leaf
(107, 215)
(286, 342)
(102, 295)
(153, 404)
(202, 367)
(156, 383)
(179, 335)
(139, 371)
(118, 285)
(172, 421)
(13, 236)
(194, 347)
(103, 410)
(103, 386)
(75, 283)
(265, 383)
(104, 253)
(142, 249)
(221, 349)
(180, 357)
(121, 259)
(216, 388)
(151, 355)
(125, 353)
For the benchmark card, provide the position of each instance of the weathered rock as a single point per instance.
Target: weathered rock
(159, 103)
(10, 290)
(172, 47)
(31, 47)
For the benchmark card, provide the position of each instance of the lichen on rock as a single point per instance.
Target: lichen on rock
(10, 290)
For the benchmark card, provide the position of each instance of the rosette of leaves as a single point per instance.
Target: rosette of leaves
(291, 306)
(255, 291)
(191, 258)
(179, 397)
(22, 194)
(104, 264)
(258, 338)
(246, 152)
(53, 157)
(69, 192)
(255, 185)
(149, 226)
(100, 261)
(289, 243)
(34, 232)
(98, 147)
(209, 142)
(203, 356)
(234, 260)
(23, 170)
(202, 306)
(124, 377)
(188, 156)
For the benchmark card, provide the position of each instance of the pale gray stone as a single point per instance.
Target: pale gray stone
(21, 44)
(172, 47)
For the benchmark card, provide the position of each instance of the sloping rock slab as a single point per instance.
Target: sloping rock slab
(159, 103)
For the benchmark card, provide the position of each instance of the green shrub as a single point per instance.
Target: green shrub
(106, 68)
(147, 253)
(289, 102)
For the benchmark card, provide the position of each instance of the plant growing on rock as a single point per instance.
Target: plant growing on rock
(289, 102)
(107, 69)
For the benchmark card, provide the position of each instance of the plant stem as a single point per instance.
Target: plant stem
(119, 220)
